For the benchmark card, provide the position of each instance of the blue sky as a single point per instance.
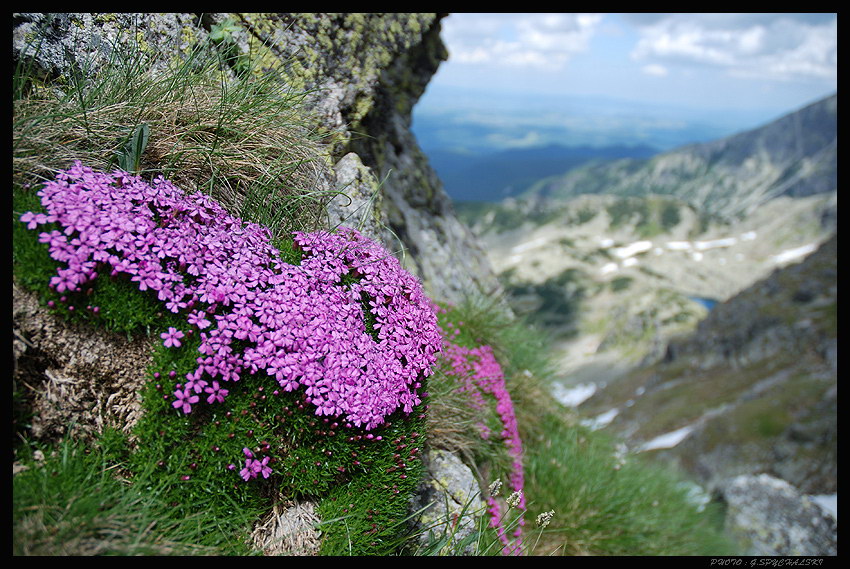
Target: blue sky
(763, 63)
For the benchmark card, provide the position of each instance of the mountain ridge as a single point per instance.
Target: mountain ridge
(731, 176)
(488, 177)
(615, 265)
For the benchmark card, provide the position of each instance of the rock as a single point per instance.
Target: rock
(75, 375)
(67, 44)
(358, 203)
(290, 529)
(448, 501)
(772, 518)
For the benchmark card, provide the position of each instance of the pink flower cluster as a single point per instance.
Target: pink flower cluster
(485, 381)
(254, 467)
(302, 324)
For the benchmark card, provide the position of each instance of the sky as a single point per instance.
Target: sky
(771, 63)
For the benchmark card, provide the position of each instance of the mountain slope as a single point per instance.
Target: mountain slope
(793, 156)
(752, 389)
(493, 176)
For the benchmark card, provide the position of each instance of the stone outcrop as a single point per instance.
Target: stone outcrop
(770, 517)
(448, 502)
(363, 74)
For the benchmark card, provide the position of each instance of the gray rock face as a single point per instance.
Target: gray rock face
(772, 518)
(448, 498)
(363, 73)
(359, 202)
(65, 45)
(440, 249)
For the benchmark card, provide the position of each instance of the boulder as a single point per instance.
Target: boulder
(448, 503)
(770, 517)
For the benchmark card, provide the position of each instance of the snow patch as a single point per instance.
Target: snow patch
(633, 249)
(601, 420)
(608, 268)
(715, 243)
(522, 247)
(574, 396)
(792, 254)
(667, 440)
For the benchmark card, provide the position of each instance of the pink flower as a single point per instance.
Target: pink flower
(216, 393)
(185, 400)
(254, 467)
(33, 220)
(172, 337)
(303, 322)
(197, 318)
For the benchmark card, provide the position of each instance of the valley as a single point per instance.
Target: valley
(622, 287)
(690, 298)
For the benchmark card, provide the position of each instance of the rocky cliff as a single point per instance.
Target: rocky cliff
(360, 75)
(362, 72)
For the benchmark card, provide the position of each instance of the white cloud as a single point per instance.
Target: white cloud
(655, 69)
(769, 46)
(543, 41)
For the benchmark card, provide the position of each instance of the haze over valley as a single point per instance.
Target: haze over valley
(621, 258)
(658, 194)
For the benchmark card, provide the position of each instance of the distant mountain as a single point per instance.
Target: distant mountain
(493, 176)
(794, 156)
(482, 120)
(615, 260)
(753, 389)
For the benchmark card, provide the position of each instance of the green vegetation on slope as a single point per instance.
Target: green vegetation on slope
(605, 503)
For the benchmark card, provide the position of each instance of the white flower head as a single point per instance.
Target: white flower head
(514, 499)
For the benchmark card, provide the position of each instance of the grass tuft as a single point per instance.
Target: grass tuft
(73, 500)
(242, 139)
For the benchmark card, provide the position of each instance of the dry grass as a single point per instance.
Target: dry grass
(241, 140)
(452, 422)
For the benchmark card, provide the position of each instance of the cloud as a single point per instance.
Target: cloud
(543, 41)
(766, 46)
(655, 69)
